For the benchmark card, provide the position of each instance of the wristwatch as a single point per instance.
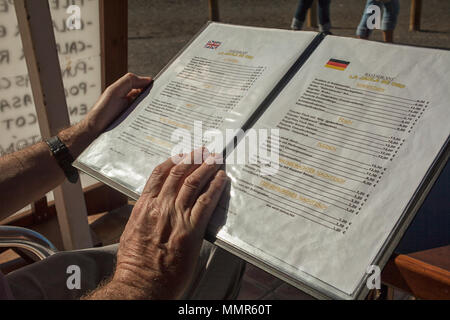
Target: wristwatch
(63, 157)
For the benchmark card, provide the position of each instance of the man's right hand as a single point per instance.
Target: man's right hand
(161, 243)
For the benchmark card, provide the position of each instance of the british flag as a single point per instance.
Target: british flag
(212, 44)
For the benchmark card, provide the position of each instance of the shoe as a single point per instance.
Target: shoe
(325, 28)
(296, 24)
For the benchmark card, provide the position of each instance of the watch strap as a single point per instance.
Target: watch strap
(64, 158)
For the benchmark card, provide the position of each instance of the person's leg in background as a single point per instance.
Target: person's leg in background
(300, 14)
(217, 276)
(362, 31)
(390, 15)
(324, 16)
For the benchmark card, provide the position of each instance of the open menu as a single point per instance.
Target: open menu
(361, 133)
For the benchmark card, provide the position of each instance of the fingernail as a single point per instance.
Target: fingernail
(178, 158)
(219, 158)
(210, 160)
(214, 158)
(222, 174)
(198, 156)
(188, 159)
(206, 154)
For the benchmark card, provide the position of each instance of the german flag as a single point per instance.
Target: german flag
(337, 64)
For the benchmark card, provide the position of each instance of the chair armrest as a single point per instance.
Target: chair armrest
(26, 240)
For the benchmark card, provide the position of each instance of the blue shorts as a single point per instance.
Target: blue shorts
(390, 12)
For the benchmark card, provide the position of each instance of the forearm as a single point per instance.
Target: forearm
(134, 283)
(114, 290)
(29, 174)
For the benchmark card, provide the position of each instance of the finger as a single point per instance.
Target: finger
(179, 172)
(159, 175)
(195, 182)
(207, 202)
(128, 82)
(133, 94)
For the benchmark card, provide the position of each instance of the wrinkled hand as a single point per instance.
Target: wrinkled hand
(161, 242)
(116, 98)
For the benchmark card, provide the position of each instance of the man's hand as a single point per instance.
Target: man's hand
(28, 174)
(115, 100)
(161, 242)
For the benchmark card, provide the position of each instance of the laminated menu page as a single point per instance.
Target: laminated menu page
(343, 140)
(218, 80)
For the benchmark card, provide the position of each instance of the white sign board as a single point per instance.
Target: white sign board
(77, 33)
